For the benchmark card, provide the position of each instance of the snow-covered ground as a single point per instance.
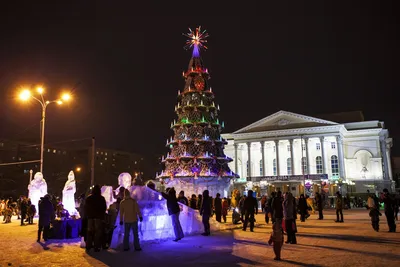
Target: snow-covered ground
(320, 243)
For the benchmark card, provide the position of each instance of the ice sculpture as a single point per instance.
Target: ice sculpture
(107, 193)
(37, 189)
(156, 223)
(125, 181)
(69, 190)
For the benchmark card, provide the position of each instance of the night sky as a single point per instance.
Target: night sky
(126, 68)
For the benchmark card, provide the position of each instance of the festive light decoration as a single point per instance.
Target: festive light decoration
(197, 40)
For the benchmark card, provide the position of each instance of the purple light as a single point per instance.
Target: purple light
(196, 51)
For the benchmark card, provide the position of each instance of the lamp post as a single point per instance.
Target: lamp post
(25, 95)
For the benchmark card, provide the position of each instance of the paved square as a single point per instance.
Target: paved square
(320, 243)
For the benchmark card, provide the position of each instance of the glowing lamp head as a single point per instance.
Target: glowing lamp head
(40, 90)
(66, 97)
(78, 169)
(59, 102)
(25, 95)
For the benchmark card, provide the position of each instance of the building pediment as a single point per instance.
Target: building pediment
(284, 120)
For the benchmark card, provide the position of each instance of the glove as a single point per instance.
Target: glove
(121, 223)
(141, 219)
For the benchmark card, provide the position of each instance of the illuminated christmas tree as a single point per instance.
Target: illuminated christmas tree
(196, 154)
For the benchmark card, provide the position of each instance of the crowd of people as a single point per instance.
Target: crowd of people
(282, 210)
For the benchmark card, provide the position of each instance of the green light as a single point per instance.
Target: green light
(171, 146)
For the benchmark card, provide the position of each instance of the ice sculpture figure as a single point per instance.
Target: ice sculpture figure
(125, 181)
(37, 189)
(107, 193)
(156, 223)
(69, 190)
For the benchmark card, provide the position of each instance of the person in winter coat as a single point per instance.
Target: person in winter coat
(23, 209)
(46, 215)
(389, 209)
(95, 210)
(173, 211)
(374, 214)
(339, 207)
(193, 202)
(225, 207)
(302, 208)
(277, 208)
(205, 212)
(129, 212)
(250, 207)
(218, 207)
(182, 199)
(289, 215)
(263, 203)
(276, 239)
(319, 204)
(268, 208)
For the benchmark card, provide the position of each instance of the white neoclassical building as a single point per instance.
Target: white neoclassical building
(292, 152)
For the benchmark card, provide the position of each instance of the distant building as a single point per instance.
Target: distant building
(396, 171)
(58, 161)
(292, 152)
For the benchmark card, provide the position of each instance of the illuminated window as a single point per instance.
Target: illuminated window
(318, 162)
(54, 151)
(304, 164)
(274, 167)
(1, 144)
(105, 158)
(335, 165)
(318, 146)
(333, 145)
(48, 150)
(289, 166)
(101, 163)
(105, 153)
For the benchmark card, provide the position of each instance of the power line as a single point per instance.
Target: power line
(20, 162)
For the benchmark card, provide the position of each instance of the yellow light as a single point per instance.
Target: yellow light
(25, 95)
(66, 97)
(78, 169)
(40, 90)
(47, 102)
(59, 102)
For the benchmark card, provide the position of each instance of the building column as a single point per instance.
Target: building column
(249, 159)
(385, 159)
(236, 158)
(389, 163)
(323, 156)
(263, 158)
(307, 155)
(277, 156)
(291, 156)
(339, 141)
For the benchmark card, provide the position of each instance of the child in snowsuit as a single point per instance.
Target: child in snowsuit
(374, 214)
(276, 238)
(31, 213)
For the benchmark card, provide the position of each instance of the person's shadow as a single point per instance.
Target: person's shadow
(44, 246)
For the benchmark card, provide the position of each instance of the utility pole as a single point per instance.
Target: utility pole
(92, 163)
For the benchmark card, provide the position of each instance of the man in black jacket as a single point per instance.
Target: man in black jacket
(46, 214)
(250, 207)
(218, 207)
(95, 209)
(173, 211)
(277, 209)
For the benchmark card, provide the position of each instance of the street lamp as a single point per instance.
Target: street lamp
(26, 95)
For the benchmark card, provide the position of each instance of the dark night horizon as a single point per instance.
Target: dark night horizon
(126, 70)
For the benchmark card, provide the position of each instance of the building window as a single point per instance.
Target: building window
(105, 158)
(101, 153)
(289, 166)
(274, 167)
(318, 162)
(303, 147)
(304, 165)
(261, 167)
(318, 146)
(54, 151)
(48, 150)
(97, 152)
(105, 153)
(288, 148)
(101, 163)
(335, 165)
(1, 144)
(333, 145)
